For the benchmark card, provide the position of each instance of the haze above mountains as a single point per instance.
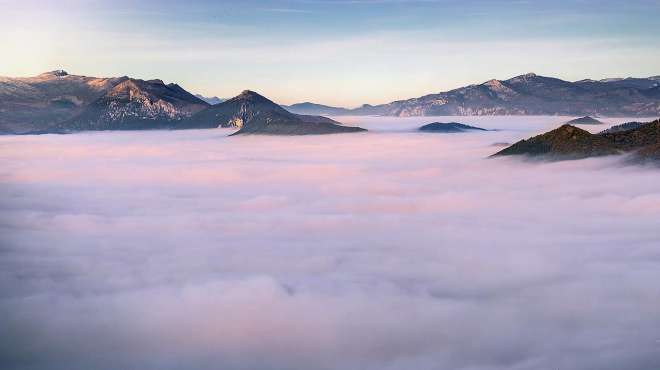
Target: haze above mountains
(59, 102)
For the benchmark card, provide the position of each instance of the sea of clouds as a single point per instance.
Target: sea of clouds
(388, 250)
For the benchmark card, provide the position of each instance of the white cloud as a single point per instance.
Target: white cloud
(385, 250)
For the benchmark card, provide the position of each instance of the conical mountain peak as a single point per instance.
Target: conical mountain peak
(253, 113)
(251, 95)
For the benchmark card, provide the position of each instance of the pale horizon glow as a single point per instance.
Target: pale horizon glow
(342, 53)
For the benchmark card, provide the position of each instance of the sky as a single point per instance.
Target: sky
(383, 250)
(337, 52)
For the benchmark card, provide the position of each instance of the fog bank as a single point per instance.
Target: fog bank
(390, 249)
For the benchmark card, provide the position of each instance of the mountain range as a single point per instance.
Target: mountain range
(57, 102)
(528, 94)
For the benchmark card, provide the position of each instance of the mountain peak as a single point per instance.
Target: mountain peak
(527, 77)
(253, 97)
(494, 84)
(253, 113)
(249, 94)
(586, 120)
(566, 132)
(569, 129)
(566, 141)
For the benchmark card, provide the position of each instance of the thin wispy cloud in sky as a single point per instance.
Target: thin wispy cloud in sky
(286, 10)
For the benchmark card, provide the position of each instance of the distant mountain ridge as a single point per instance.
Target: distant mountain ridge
(528, 94)
(213, 100)
(316, 109)
(59, 102)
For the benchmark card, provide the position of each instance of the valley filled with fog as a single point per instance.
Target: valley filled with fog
(387, 249)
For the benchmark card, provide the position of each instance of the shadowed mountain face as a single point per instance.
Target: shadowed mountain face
(584, 121)
(39, 103)
(450, 127)
(136, 105)
(528, 94)
(569, 142)
(252, 113)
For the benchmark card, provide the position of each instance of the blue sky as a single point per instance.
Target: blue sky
(343, 52)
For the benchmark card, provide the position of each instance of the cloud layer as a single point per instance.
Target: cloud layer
(384, 250)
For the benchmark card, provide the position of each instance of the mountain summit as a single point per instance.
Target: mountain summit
(137, 104)
(586, 120)
(253, 113)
